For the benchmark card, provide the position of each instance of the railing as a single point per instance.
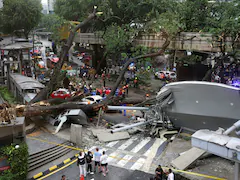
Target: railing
(185, 41)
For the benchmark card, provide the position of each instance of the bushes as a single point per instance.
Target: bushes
(18, 159)
(6, 95)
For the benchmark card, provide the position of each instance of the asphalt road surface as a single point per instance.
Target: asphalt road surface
(115, 173)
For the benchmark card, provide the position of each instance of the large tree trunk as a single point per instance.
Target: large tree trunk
(52, 85)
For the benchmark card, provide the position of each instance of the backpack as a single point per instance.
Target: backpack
(89, 158)
(81, 161)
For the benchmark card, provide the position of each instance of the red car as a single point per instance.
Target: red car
(61, 93)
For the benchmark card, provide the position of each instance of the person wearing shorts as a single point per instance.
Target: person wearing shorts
(104, 163)
(97, 156)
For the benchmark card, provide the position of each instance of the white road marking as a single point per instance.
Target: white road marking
(124, 160)
(137, 165)
(151, 153)
(112, 157)
(111, 144)
(127, 143)
(140, 145)
(157, 143)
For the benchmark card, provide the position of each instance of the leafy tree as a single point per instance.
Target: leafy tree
(118, 39)
(224, 22)
(21, 15)
(74, 10)
(193, 14)
(52, 23)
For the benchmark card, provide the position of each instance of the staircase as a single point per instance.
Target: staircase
(41, 158)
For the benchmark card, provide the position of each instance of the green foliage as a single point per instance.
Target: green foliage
(21, 15)
(190, 59)
(18, 159)
(144, 77)
(6, 95)
(193, 14)
(74, 10)
(52, 23)
(118, 38)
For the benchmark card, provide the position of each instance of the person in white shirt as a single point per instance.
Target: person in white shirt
(82, 164)
(170, 175)
(104, 163)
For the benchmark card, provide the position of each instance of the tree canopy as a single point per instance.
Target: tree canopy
(20, 15)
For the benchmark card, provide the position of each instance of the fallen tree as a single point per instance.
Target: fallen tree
(52, 85)
(41, 105)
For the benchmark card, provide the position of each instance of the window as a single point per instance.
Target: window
(89, 98)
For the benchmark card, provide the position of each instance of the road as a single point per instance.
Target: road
(115, 173)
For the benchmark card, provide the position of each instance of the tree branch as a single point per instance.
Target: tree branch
(52, 85)
(120, 77)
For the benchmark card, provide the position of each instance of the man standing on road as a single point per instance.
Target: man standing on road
(97, 156)
(170, 175)
(82, 164)
(159, 173)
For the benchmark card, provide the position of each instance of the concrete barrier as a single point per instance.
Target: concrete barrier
(76, 134)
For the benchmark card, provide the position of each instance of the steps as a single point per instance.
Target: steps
(41, 158)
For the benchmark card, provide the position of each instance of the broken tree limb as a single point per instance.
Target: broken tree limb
(125, 67)
(52, 85)
(30, 111)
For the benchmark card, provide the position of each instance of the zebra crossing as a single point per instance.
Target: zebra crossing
(134, 153)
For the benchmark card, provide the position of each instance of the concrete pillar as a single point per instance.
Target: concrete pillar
(76, 134)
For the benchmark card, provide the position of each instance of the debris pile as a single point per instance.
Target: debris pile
(7, 113)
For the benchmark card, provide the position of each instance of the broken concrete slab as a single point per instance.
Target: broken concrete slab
(97, 131)
(107, 136)
(186, 159)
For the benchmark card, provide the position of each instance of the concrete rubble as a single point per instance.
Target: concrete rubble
(105, 135)
(185, 160)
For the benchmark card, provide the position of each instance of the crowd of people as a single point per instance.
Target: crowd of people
(225, 74)
(85, 162)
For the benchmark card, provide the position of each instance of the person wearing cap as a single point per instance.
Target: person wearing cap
(159, 173)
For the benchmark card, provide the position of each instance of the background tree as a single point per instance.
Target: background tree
(52, 23)
(21, 15)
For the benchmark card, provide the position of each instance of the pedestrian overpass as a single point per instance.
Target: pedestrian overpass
(190, 41)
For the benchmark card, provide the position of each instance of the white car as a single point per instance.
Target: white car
(165, 75)
(91, 99)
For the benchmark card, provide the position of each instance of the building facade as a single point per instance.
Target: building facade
(1, 3)
(49, 7)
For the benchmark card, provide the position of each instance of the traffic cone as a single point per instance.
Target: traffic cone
(82, 177)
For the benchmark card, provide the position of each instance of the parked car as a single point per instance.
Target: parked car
(91, 99)
(165, 75)
(61, 93)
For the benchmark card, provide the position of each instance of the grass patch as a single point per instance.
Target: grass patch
(6, 95)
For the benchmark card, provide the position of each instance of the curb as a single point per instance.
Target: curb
(53, 168)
